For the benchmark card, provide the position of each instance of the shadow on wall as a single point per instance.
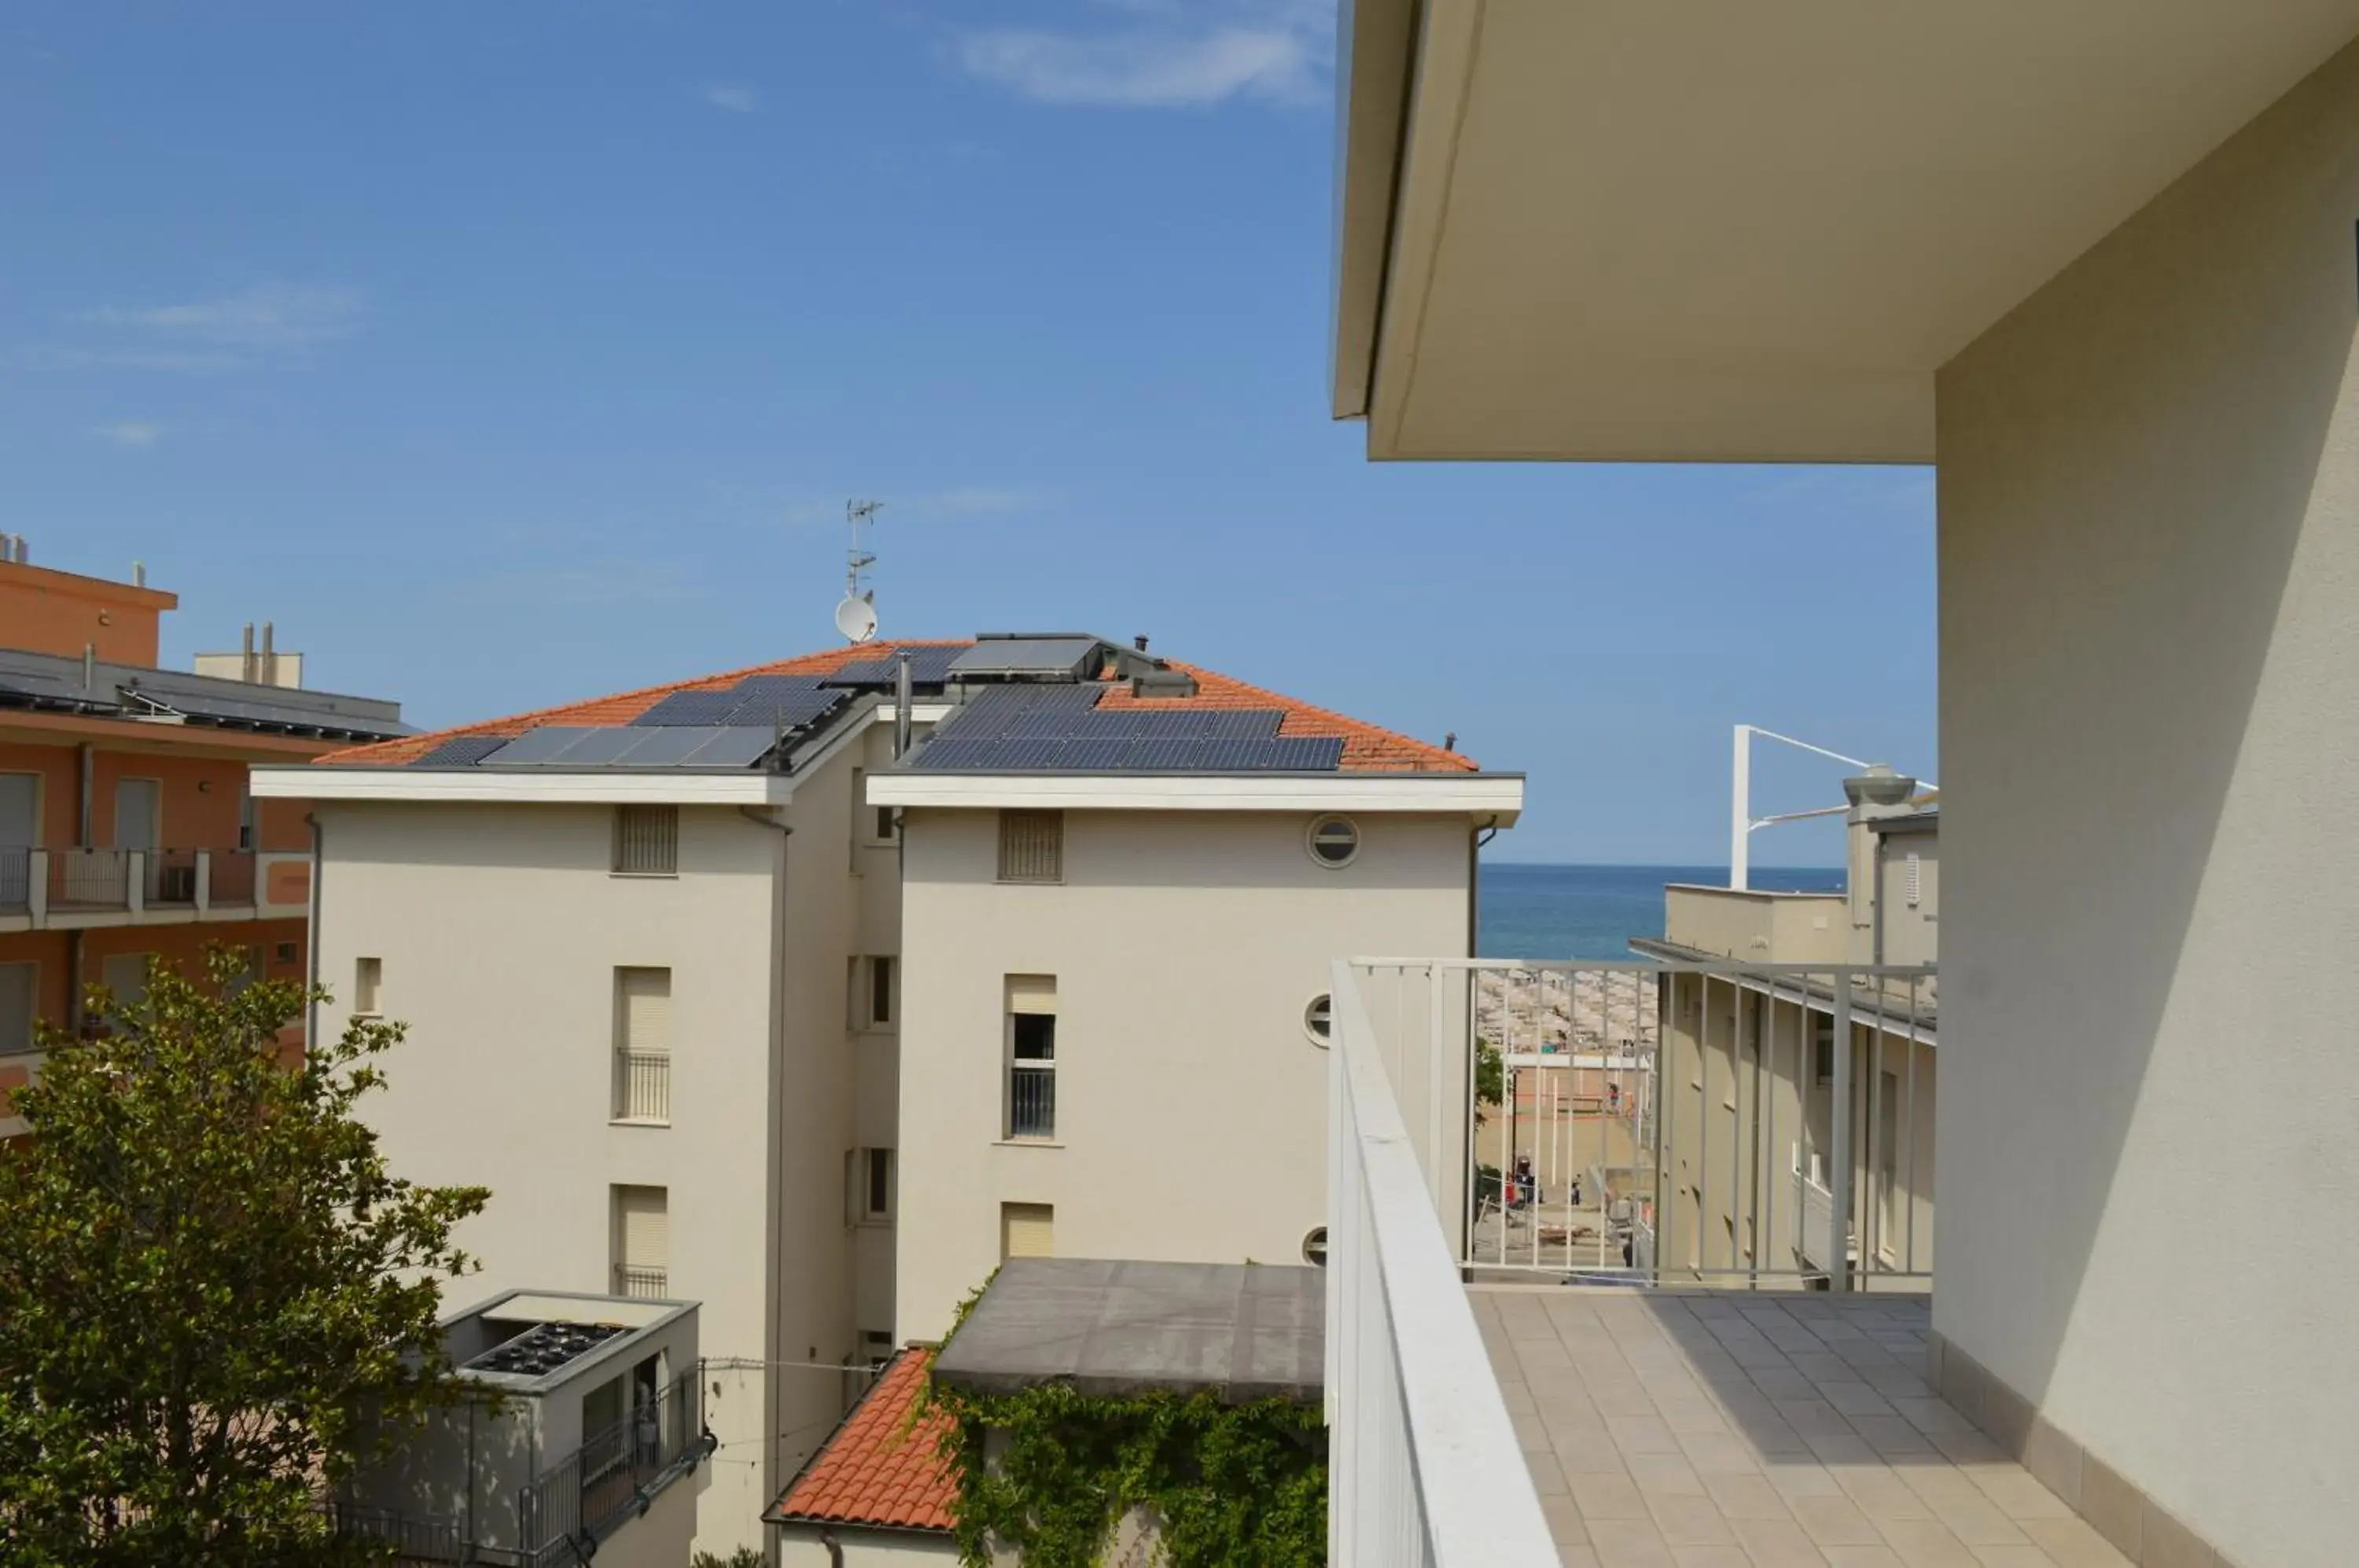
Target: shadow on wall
(2129, 469)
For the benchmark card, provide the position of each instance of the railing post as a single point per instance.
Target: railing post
(204, 883)
(37, 886)
(135, 880)
(1839, 1175)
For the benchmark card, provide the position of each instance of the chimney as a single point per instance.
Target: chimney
(269, 657)
(89, 666)
(901, 701)
(139, 574)
(1450, 741)
(1139, 642)
(245, 656)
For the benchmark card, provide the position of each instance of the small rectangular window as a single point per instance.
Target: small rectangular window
(1031, 846)
(368, 986)
(283, 953)
(647, 841)
(245, 818)
(875, 1347)
(1910, 882)
(1822, 1050)
(1027, 1230)
(1031, 1056)
(642, 1241)
(20, 986)
(859, 812)
(885, 826)
(877, 1201)
(880, 991)
(643, 1045)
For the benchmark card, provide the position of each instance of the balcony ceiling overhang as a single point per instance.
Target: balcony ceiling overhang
(1729, 231)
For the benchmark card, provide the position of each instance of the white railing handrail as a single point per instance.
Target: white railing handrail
(1714, 966)
(1473, 1493)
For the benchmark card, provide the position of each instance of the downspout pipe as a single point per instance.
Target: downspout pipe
(311, 940)
(771, 1382)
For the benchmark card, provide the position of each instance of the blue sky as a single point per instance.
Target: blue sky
(504, 354)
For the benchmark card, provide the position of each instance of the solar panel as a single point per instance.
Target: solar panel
(1306, 754)
(1171, 726)
(865, 672)
(1161, 754)
(1028, 656)
(599, 748)
(535, 746)
(688, 708)
(793, 709)
(1244, 721)
(1235, 755)
(668, 746)
(459, 751)
(1106, 751)
(736, 748)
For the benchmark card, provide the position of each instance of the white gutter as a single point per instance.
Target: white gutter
(523, 786)
(1496, 795)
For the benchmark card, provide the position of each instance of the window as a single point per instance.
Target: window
(19, 984)
(1910, 882)
(642, 1242)
(368, 986)
(125, 974)
(283, 953)
(139, 812)
(885, 826)
(1031, 846)
(245, 818)
(880, 992)
(642, 1045)
(868, 1174)
(1822, 1049)
(1031, 1056)
(875, 1347)
(859, 812)
(1334, 841)
(1319, 1019)
(1027, 1230)
(647, 841)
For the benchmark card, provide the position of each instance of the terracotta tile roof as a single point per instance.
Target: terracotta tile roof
(883, 1467)
(623, 706)
(1367, 748)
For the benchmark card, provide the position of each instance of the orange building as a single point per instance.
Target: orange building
(126, 827)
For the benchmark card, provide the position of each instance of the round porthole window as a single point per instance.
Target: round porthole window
(1334, 841)
(1319, 1019)
(1314, 1247)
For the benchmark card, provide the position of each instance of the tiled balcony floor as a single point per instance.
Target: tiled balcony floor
(1721, 1430)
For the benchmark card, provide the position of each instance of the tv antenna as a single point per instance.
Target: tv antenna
(856, 617)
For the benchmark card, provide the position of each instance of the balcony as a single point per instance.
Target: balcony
(1584, 1325)
(642, 1087)
(79, 889)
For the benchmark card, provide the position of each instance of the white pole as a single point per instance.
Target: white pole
(1739, 810)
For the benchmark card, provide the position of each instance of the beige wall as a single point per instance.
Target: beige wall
(801, 1548)
(1192, 1108)
(2149, 543)
(1785, 928)
(1911, 935)
(499, 928)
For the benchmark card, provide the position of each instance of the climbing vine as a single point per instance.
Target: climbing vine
(1049, 1473)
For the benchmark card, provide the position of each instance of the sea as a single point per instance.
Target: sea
(1592, 911)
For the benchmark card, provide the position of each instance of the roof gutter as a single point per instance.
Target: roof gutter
(1375, 53)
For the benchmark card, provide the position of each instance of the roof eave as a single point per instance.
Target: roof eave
(1374, 44)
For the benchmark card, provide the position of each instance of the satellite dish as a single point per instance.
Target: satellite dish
(856, 617)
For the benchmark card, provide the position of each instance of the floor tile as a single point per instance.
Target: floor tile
(1721, 1556)
(1876, 1556)
(2019, 1495)
(1778, 1543)
(1608, 1496)
(1745, 1496)
(1925, 1543)
(1835, 1522)
(1628, 1543)
(1665, 1475)
(2071, 1543)
(1689, 1520)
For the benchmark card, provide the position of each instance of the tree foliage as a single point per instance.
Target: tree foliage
(215, 1300)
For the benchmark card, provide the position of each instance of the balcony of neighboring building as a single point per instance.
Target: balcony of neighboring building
(81, 889)
(1751, 924)
(1689, 1317)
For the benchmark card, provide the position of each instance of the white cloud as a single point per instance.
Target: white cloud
(736, 100)
(53, 356)
(129, 432)
(1166, 57)
(267, 316)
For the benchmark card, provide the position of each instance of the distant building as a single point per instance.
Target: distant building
(582, 1417)
(1747, 1086)
(127, 825)
(727, 992)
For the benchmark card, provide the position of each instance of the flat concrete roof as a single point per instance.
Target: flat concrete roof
(1111, 1328)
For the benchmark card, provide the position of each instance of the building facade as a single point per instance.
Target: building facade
(811, 996)
(128, 830)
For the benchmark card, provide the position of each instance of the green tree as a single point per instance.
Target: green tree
(215, 1301)
(1490, 1078)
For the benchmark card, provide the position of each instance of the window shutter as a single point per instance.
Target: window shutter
(646, 1227)
(1032, 994)
(647, 840)
(647, 1010)
(1916, 867)
(1027, 1230)
(1031, 846)
(19, 984)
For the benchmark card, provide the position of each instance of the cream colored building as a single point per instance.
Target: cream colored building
(2093, 263)
(1746, 1102)
(729, 998)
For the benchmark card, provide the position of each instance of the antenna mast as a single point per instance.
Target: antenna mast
(856, 617)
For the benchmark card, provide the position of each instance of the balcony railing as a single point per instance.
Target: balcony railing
(591, 1492)
(642, 1086)
(1645, 1121)
(1424, 1467)
(15, 879)
(641, 1282)
(169, 878)
(230, 877)
(89, 879)
(1031, 1101)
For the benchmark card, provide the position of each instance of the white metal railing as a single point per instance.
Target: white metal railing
(1424, 1468)
(640, 1281)
(642, 1086)
(1641, 1121)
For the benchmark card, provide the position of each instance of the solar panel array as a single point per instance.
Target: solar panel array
(666, 745)
(461, 751)
(927, 667)
(796, 702)
(1024, 729)
(1029, 656)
